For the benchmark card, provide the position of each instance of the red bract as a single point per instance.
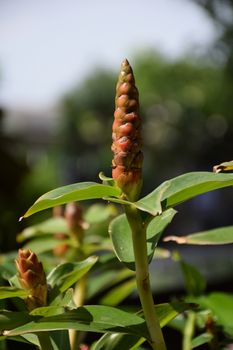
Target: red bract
(32, 278)
(126, 135)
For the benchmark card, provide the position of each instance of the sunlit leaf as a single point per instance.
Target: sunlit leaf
(165, 312)
(120, 233)
(66, 274)
(226, 166)
(222, 235)
(12, 292)
(73, 192)
(201, 339)
(181, 188)
(93, 318)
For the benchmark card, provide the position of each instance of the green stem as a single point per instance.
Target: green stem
(142, 277)
(189, 331)
(45, 341)
(79, 297)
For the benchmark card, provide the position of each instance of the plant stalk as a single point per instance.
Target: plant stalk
(142, 277)
(79, 297)
(189, 331)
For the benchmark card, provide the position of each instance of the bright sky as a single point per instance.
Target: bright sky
(48, 45)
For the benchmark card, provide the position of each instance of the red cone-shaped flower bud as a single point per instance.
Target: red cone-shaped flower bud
(32, 278)
(126, 135)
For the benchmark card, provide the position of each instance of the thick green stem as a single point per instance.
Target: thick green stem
(189, 331)
(45, 341)
(143, 279)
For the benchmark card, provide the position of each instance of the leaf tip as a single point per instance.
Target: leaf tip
(179, 240)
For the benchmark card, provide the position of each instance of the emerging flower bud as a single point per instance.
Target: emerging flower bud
(32, 278)
(126, 135)
(74, 218)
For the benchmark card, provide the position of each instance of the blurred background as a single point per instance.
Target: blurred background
(59, 62)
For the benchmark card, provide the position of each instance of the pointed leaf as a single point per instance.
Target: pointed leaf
(226, 166)
(195, 284)
(12, 292)
(65, 275)
(165, 312)
(75, 192)
(221, 305)
(201, 339)
(222, 235)
(182, 188)
(120, 233)
(117, 341)
(116, 295)
(50, 226)
(93, 318)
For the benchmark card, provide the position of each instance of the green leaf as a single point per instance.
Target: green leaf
(194, 282)
(116, 341)
(50, 226)
(74, 192)
(12, 319)
(12, 292)
(165, 312)
(201, 339)
(93, 318)
(222, 235)
(45, 244)
(120, 233)
(221, 305)
(65, 275)
(181, 188)
(116, 295)
(98, 213)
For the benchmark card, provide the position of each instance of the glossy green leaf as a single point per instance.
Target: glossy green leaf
(75, 192)
(12, 292)
(57, 306)
(50, 226)
(222, 235)
(116, 295)
(65, 275)
(120, 233)
(165, 312)
(201, 339)
(181, 188)
(93, 318)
